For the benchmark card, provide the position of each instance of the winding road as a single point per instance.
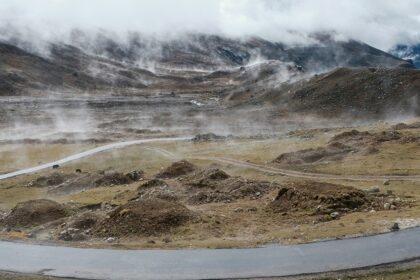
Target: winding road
(259, 167)
(276, 260)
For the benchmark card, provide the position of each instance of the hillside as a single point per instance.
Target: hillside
(194, 62)
(360, 92)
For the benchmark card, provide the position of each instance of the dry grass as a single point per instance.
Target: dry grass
(18, 156)
(222, 226)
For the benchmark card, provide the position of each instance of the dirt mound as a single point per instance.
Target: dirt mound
(214, 185)
(352, 136)
(344, 144)
(320, 198)
(151, 184)
(156, 188)
(50, 180)
(207, 177)
(205, 186)
(401, 126)
(177, 169)
(33, 213)
(144, 217)
(409, 139)
(208, 137)
(113, 178)
(355, 137)
(59, 183)
(84, 221)
(332, 152)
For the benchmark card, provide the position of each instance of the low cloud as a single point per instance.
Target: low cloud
(381, 23)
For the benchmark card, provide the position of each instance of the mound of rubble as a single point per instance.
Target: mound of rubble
(33, 213)
(318, 198)
(79, 227)
(344, 144)
(355, 137)
(214, 185)
(144, 217)
(61, 183)
(156, 188)
(176, 169)
(203, 186)
(53, 179)
(208, 137)
(332, 152)
(401, 126)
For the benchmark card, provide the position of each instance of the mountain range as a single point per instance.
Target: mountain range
(242, 72)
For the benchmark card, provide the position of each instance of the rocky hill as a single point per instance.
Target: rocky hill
(194, 62)
(360, 92)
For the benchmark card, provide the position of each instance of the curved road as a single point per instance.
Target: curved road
(206, 263)
(267, 261)
(260, 167)
(88, 153)
(307, 175)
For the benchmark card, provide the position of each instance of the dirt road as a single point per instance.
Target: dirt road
(259, 167)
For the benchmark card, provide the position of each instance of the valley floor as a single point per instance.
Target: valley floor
(222, 218)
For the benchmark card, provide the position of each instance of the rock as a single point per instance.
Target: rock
(166, 240)
(387, 206)
(252, 209)
(395, 227)
(135, 175)
(208, 137)
(111, 239)
(77, 237)
(6, 229)
(105, 206)
(373, 189)
(387, 182)
(334, 215)
(71, 234)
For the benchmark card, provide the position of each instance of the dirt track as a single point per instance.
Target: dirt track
(306, 175)
(259, 167)
(292, 173)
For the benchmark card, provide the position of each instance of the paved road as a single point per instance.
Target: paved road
(88, 153)
(260, 167)
(207, 264)
(211, 264)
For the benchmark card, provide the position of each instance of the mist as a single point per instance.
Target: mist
(381, 23)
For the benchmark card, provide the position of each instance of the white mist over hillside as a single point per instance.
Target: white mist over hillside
(381, 23)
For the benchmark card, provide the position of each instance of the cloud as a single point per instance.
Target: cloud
(382, 23)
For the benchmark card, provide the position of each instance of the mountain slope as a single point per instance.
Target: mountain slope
(407, 52)
(215, 52)
(361, 92)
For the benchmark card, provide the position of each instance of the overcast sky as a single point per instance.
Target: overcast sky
(381, 23)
